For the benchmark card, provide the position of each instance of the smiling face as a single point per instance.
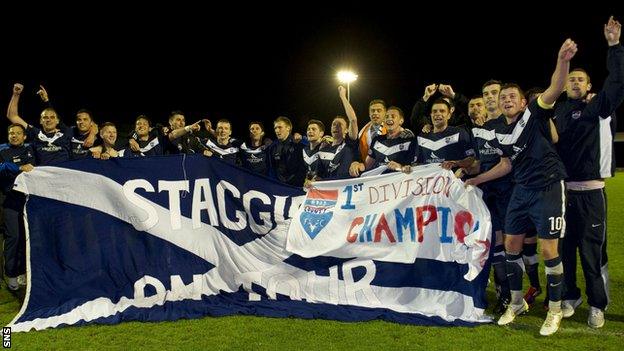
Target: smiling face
(511, 102)
(49, 120)
(577, 85)
(109, 135)
(440, 115)
(314, 133)
(83, 122)
(177, 121)
(393, 120)
(141, 127)
(16, 136)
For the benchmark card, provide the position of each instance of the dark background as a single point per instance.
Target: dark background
(256, 63)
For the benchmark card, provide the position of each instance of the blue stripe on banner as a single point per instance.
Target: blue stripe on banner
(226, 304)
(94, 262)
(448, 275)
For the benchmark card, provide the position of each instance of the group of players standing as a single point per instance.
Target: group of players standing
(542, 172)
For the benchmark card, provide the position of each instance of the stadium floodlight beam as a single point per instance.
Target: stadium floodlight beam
(347, 77)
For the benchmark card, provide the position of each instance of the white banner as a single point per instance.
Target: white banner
(395, 218)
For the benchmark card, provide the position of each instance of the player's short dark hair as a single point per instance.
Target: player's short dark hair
(441, 101)
(534, 92)
(256, 122)
(51, 109)
(85, 111)
(491, 82)
(396, 108)
(107, 124)
(224, 120)
(16, 125)
(513, 85)
(284, 119)
(342, 118)
(149, 122)
(175, 112)
(320, 124)
(377, 101)
(584, 71)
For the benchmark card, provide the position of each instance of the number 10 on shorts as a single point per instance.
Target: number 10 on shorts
(556, 223)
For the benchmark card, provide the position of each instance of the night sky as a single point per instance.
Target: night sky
(261, 64)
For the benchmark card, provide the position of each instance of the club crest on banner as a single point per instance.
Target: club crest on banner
(317, 210)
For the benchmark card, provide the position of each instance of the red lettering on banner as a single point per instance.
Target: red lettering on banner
(462, 218)
(352, 237)
(420, 222)
(383, 226)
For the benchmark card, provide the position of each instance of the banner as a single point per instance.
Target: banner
(172, 237)
(395, 218)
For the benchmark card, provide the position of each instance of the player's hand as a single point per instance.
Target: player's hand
(568, 50)
(612, 31)
(356, 168)
(17, 88)
(26, 168)
(43, 94)
(429, 90)
(89, 141)
(446, 90)
(448, 164)
(134, 146)
(472, 181)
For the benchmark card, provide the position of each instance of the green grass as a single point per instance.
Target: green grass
(257, 333)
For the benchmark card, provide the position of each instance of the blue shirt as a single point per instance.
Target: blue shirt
(527, 142)
(403, 149)
(453, 143)
(334, 161)
(50, 148)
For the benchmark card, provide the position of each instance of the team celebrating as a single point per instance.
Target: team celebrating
(540, 158)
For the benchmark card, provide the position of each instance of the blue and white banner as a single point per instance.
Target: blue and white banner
(172, 237)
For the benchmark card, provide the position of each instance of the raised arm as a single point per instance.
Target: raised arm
(612, 93)
(176, 133)
(12, 110)
(353, 122)
(419, 116)
(460, 110)
(558, 79)
(45, 98)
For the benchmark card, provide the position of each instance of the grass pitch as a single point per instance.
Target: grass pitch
(258, 333)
